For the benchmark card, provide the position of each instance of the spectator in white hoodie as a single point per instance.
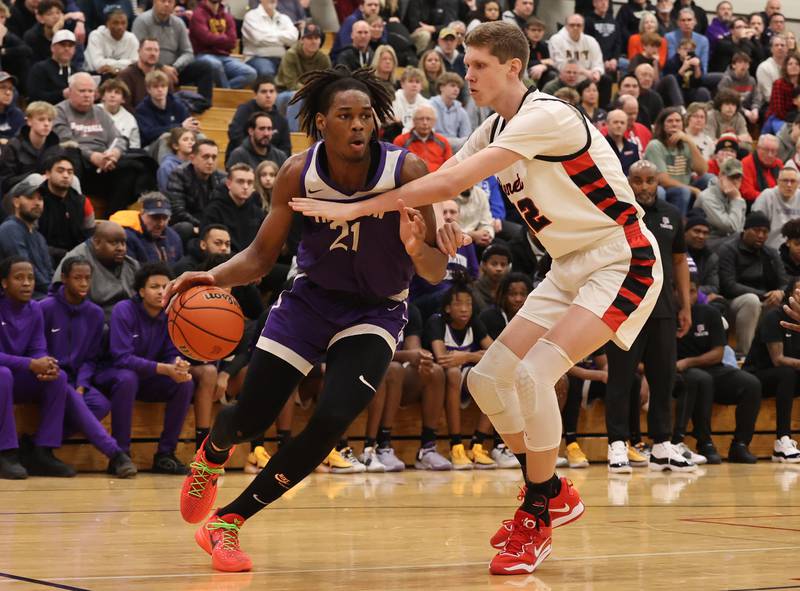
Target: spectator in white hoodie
(407, 98)
(266, 35)
(112, 47)
(571, 43)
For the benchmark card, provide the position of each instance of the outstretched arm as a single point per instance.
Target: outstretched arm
(441, 185)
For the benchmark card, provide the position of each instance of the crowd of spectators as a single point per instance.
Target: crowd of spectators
(110, 188)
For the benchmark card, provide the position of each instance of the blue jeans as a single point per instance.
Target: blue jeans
(681, 197)
(229, 72)
(265, 66)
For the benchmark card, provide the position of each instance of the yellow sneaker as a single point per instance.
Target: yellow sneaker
(256, 460)
(636, 457)
(576, 457)
(458, 456)
(343, 462)
(480, 459)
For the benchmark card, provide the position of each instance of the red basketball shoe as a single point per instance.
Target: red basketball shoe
(200, 487)
(526, 548)
(219, 537)
(565, 508)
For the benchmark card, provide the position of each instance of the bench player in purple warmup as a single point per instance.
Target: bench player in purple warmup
(348, 301)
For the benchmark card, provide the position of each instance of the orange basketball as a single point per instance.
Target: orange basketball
(205, 323)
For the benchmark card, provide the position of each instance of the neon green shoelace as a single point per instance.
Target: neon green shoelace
(230, 534)
(201, 477)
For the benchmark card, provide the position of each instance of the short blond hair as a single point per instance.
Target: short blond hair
(412, 73)
(37, 108)
(156, 78)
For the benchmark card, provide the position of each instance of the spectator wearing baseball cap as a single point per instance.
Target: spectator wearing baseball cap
(50, 20)
(149, 237)
(11, 117)
(723, 204)
(447, 47)
(49, 78)
(727, 146)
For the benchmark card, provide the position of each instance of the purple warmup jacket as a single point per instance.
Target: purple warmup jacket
(139, 342)
(74, 335)
(21, 334)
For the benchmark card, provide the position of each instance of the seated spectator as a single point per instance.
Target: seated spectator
(458, 339)
(520, 12)
(780, 204)
(19, 236)
(720, 27)
(568, 77)
(541, 67)
(648, 25)
(790, 249)
(475, 215)
(266, 95)
(68, 216)
(28, 374)
(236, 207)
(305, 56)
(24, 155)
(407, 98)
(104, 169)
(146, 365)
(687, 20)
(651, 101)
(737, 77)
(112, 48)
(704, 260)
(11, 117)
(434, 149)
(686, 67)
(177, 58)
(447, 47)
(50, 17)
(629, 86)
(676, 158)
(214, 239)
(113, 94)
(148, 235)
(160, 111)
(112, 268)
(431, 65)
(212, 32)
(636, 132)
(366, 9)
(761, 168)
(181, 144)
(626, 150)
(486, 11)
(385, 63)
(787, 140)
(266, 35)
(190, 186)
(265, 181)
(257, 147)
(726, 117)
(706, 380)
(773, 360)
(727, 147)
(358, 54)
(452, 120)
(571, 43)
(696, 122)
(739, 41)
(769, 70)
(48, 79)
(73, 328)
(589, 101)
(95, 15)
(723, 204)
(495, 264)
(568, 95)
(751, 277)
(601, 25)
(781, 100)
(16, 55)
(134, 75)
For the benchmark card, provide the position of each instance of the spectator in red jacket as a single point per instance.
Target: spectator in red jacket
(433, 148)
(212, 32)
(761, 168)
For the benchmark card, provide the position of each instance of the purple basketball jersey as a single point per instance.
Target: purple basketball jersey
(364, 256)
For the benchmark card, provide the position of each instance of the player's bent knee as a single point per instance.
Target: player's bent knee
(493, 391)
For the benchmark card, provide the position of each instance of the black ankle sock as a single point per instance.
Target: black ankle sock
(385, 437)
(555, 485)
(570, 437)
(537, 500)
(214, 456)
(284, 435)
(256, 443)
(523, 464)
(498, 440)
(200, 435)
(342, 444)
(428, 436)
(369, 442)
(455, 439)
(479, 437)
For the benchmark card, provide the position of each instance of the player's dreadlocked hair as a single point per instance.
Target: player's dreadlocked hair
(320, 86)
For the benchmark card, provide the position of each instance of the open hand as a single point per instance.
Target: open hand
(412, 229)
(328, 210)
(184, 282)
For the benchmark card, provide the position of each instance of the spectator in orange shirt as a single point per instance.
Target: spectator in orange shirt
(433, 148)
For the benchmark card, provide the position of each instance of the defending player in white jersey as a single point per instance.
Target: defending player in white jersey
(606, 276)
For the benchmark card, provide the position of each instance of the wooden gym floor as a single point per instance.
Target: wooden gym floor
(727, 528)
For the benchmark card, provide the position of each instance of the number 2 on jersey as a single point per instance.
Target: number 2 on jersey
(346, 229)
(530, 213)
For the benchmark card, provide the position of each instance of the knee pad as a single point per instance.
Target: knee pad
(535, 379)
(491, 384)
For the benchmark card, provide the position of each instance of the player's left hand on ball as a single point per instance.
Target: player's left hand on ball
(450, 237)
(184, 282)
(329, 210)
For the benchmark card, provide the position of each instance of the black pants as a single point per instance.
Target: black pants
(656, 347)
(121, 186)
(572, 407)
(201, 74)
(781, 382)
(723, 384)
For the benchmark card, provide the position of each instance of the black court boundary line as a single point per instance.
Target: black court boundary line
(41, 582)
(766, 588)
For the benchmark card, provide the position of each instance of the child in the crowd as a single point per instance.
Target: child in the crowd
(686, 67)
(160, 111)
(452, 120)
(696, 123)
(181, 143)
(11, 117)
(113, 94)
(265, 180)
(408, 97)
(726, 117)
(737, 77)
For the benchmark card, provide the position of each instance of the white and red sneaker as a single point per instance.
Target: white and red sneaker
(529, 544)
(565, 508)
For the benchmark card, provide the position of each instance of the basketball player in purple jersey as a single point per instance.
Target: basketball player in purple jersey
(348, 301)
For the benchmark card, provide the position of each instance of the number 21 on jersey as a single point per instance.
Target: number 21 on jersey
(530, 213)
(346, 229)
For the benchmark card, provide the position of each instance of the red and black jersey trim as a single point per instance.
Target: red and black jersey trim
(589, 179)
